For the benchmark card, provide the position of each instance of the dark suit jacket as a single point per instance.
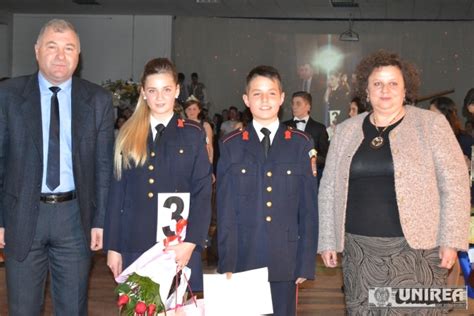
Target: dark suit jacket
(21, 157)
(320, 136)
(267, 211)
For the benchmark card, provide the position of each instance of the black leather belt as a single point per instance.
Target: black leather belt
(57, 197)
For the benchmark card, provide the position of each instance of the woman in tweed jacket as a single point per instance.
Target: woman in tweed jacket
(394, 197)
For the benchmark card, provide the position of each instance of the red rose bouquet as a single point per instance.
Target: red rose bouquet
(139, 296)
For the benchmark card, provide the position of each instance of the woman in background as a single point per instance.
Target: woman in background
(447, 107)
(193, 111)
(468, 107)
(356, 107)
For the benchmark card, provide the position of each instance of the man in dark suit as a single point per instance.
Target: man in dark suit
(314, 83)
(266, 196)
(301, 103)
(56, 141)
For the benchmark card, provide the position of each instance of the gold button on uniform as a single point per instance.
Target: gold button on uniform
(152, 154)
(243, 171)
(288, 172)
(268, 218)
(269, 189)
(269, 204)
(151, 181)
(181, 151)
(150, 194)
(150, 167)
(269, 174)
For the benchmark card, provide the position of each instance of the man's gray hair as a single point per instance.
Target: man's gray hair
(58, 25)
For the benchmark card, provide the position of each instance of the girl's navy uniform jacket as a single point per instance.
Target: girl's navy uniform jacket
(178, 163)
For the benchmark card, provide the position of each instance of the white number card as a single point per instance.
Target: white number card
(173, 212)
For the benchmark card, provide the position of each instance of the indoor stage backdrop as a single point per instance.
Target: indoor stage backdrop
(310, 56)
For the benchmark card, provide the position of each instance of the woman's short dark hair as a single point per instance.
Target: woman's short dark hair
(448, 108)
(360, 105)
(190, 102)
(384, 58)
(468, 99)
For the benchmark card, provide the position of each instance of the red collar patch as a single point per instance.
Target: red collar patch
(245, 135)
(180, 123)
(287, 134)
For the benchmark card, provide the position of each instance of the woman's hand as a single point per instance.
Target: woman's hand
(329, 258)
(183, 253)
(448, 257)
(114, 262)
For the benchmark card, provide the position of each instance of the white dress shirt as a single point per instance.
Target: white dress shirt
(300, 125)
(273, 127)
(154, 122)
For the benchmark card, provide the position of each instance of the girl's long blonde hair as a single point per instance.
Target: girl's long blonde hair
(131, 143)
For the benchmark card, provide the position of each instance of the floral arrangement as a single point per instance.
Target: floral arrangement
(139, 296)
(125, 93)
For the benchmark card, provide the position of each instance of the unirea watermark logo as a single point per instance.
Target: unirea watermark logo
(394, 297)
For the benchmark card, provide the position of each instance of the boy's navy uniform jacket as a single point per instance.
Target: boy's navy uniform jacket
(267, 209)
(179, 164)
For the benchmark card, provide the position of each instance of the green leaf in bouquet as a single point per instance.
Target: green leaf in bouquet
(140, 288)
(122, 288)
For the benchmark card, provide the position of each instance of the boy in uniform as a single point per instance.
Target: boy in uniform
(267, 195)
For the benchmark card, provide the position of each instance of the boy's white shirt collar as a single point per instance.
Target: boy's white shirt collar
(273, 127)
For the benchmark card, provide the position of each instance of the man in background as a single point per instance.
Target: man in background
(301, 103)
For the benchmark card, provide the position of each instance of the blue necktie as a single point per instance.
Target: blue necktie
(52, 170)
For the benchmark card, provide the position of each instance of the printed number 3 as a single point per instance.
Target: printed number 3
(176, 215)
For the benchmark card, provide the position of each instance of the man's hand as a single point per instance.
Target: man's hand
(96, 238)
(2, 238)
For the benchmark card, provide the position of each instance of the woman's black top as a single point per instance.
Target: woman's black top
(372, 208)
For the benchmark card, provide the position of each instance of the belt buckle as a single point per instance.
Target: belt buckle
(58, 198)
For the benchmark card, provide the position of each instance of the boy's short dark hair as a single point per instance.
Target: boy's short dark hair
(305, 95)
(264, 71)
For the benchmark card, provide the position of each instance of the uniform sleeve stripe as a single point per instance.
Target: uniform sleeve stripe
(232, 135)
(193, 125)
(300, 133)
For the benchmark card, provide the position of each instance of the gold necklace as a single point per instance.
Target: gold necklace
(378, 141)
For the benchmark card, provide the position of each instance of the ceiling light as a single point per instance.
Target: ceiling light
(344, 4)
(86, 2)
(349, 35)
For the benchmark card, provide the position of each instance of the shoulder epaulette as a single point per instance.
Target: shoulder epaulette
(298, 132)
(183, 123)
(232, 134)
